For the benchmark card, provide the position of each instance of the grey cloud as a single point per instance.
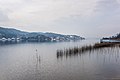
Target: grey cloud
(107, 6)
(3, 17)
(104, 21)
(108, 11)
(64, 16)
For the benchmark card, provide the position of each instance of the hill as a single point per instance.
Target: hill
(9, 34)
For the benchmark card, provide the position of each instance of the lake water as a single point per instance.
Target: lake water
(38, 61)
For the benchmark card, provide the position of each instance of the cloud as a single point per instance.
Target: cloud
(108, 11)
(104, 20)
(45, 10)
(107, 16)
(3, 17)
(42, 12)
(108, 7)
(87, 17)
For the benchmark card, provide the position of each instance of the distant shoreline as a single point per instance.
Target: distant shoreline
(9, 34)
(109, 40)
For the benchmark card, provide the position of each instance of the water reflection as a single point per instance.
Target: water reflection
(9, 42)
(104, 62)
(39, 62)
(22, 41)
(38, 65)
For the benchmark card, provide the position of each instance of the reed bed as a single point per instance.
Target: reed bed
(81, 50)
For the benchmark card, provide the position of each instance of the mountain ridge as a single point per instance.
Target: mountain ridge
(10, 33)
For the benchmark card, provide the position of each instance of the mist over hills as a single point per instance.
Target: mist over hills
(9, 34)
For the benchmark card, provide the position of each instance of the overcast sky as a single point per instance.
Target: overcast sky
(88, 18)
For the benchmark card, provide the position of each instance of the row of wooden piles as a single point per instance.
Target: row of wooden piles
(80, 50)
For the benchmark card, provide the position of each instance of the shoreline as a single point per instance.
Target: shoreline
(109, 40)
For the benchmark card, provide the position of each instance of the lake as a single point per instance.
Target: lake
(38, 61)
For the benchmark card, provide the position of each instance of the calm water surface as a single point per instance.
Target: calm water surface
(38, 61)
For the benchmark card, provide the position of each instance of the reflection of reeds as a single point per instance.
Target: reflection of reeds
(80, 50)
(37, 56)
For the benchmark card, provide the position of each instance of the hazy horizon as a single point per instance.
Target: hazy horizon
(96, 18)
